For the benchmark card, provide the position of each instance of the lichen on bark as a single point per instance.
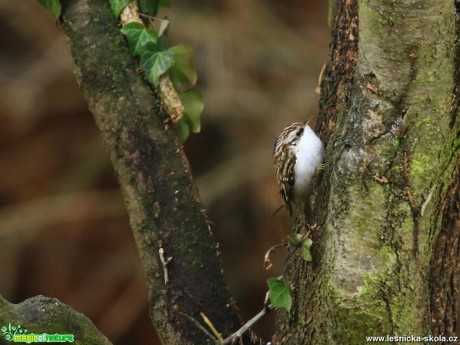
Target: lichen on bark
(386, 117)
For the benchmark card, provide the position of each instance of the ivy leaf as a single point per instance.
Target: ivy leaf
(149, 7)
(305, 249)
(296, 240)
(54, 6)
(140, 39)
(193, 104)
(155, 64)
(133, 32)
(182, 71)
(279, 292)
(182, 129)
(117, 6)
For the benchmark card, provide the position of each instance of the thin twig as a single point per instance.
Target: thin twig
(197, 324)
(233, 338)
(278, 209)
(266, 299)
(130, 14)
(164, 262)
(267, 262)
(211, 326)
(237, 335)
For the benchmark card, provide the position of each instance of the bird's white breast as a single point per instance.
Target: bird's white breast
(309, 155)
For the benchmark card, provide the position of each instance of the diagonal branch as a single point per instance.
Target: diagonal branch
(154, 176)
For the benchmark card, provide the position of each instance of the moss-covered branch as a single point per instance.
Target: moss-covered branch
(48, 315)
(155, 178)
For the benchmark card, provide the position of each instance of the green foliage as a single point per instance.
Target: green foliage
(156, 63)
(140, 39)
(183, 77)
(117, 6)
(182, 129)
(193, 104)
(156, 59)
(300, 241)
(151, 7)
(296, 240)
(143, 42)
(182, 73)
(54, 6)
(279, 292)
(305, 249)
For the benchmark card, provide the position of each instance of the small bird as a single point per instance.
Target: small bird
(298, 155)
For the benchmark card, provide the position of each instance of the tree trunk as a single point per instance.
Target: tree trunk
(163, 204)
(386, 252)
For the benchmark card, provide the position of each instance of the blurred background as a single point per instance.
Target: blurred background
(64, 230)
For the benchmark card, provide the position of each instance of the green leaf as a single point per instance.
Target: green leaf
(296, 240)
(182, 71)
(149, 7)
(306, 251)
(182, 129)
(117, 6)
(163, 39)
(279, 292)
(193, 104)
(54, 6)
(155, 64)
(133, 32)
(140, 39)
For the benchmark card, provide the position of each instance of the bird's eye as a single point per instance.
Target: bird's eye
(299, 132)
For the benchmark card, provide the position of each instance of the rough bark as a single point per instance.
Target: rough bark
(155, 179)
(387, 205)
(445, 262)
(48, 315)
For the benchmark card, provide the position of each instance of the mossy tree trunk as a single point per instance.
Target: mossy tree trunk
(162, 201)
(386, 252)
